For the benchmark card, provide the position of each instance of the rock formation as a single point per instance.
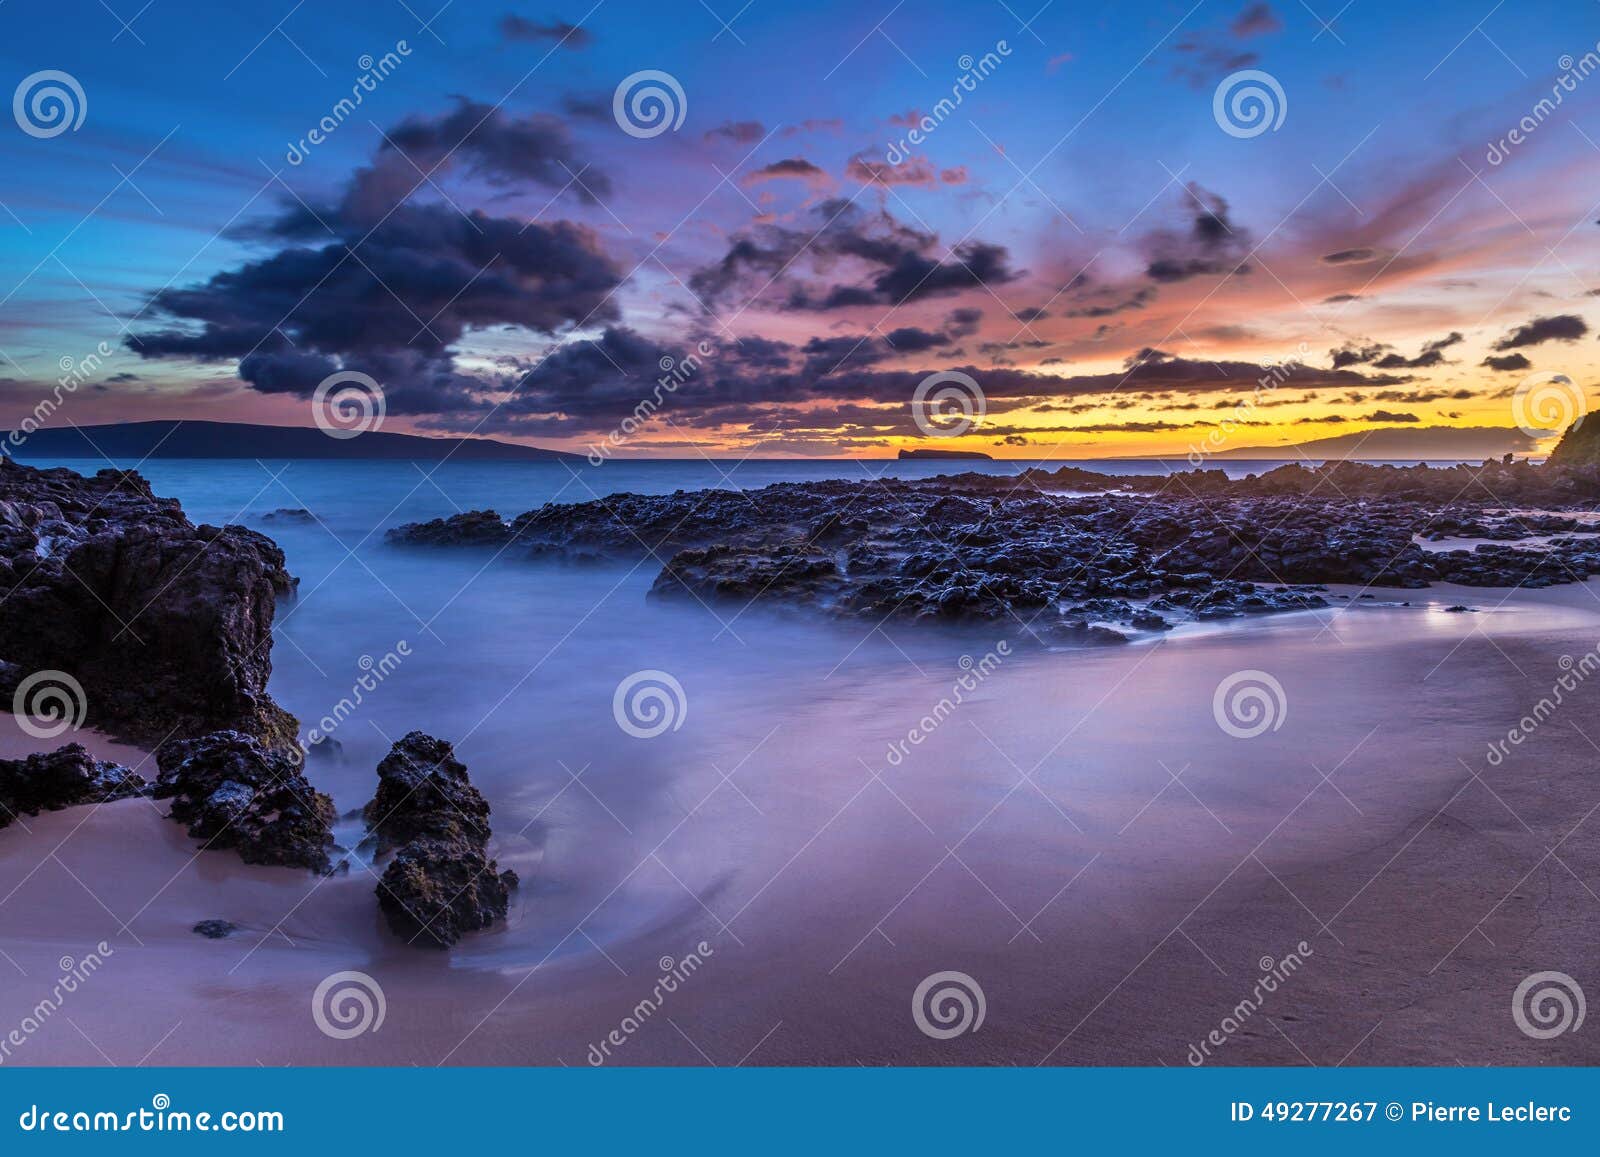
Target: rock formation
(62, 778)
(233, 792)
(440, 883)
(166, 625)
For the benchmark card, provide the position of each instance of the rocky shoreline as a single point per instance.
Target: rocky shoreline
(1071, 555)
(118, 613)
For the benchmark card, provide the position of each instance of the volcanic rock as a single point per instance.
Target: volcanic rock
(233, 792)
(62, 778)
(167, 626)
(440, 883)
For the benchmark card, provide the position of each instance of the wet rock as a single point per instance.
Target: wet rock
(440, 883)
(166, 625)
(474, 528)
(325, 747)
(215, 929)
(62, 778)
(424, 790)
(232, 792)
(433, 892)
(1076, 633)
(295, 514)
(732, 572)
(1058, 549)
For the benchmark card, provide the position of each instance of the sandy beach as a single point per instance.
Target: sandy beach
(1115, 874)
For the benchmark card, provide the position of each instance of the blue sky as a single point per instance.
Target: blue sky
(1139, 242)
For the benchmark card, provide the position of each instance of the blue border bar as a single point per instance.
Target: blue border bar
(758, 1111)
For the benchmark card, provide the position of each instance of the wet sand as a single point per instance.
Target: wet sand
(1111, 870)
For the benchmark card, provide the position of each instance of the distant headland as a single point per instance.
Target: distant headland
(169, 439)
(935, 454)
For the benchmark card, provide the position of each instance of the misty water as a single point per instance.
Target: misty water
(777, 771)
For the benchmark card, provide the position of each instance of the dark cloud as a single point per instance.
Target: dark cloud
(1356, 353)
(895, 262)
(963, 322)
(1507, 362)
(1563, 327)
(484, 142)
(742, 132)
(1432, 354)
(1255, 20)
(827, 355)
(994, 347)
(1107, 307)
(1422, 397)
(911, 171)
(910, 340)
(385, 284)
(797, 168)
(971, 264)
(1389, 416)
(1350, 256)
(1212, 245)
(449, 272)
(1201, 62)
(565, 35)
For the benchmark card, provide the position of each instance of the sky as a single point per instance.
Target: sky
(829, 229)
